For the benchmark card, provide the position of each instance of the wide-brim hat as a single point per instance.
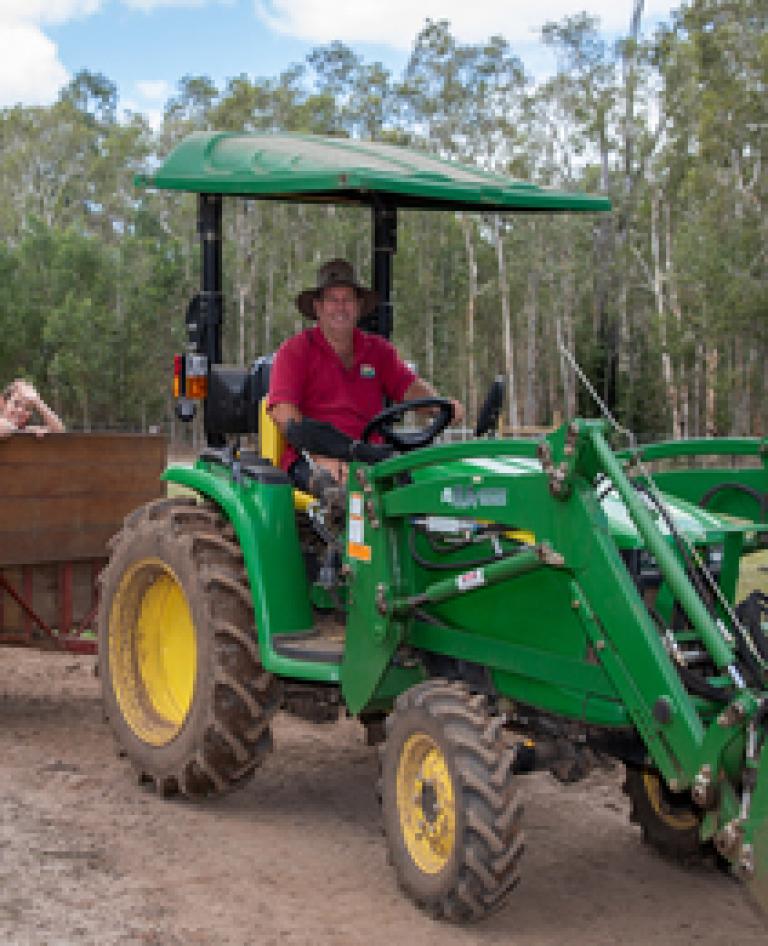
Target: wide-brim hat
(336, 272)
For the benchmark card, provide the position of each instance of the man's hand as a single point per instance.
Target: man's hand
(27, 393)
(421, 388)
(458, 411)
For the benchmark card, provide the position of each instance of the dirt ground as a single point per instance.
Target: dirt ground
(89, 857)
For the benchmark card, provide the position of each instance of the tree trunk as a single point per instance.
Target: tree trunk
(626, 355)
(564, 329)
(683, 398)
(471, 303)
(667, 370)
(429, 313)
(710, 417)
(506, 325)
(241, 337)
(532, 327)
(269, 305)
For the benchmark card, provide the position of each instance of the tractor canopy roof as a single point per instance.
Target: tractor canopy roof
(309, 168)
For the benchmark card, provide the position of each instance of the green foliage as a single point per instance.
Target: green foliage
(664, 303)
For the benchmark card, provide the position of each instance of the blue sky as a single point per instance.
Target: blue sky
(145, 46)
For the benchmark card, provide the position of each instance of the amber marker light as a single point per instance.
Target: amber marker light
(196, 377)
(177, 375)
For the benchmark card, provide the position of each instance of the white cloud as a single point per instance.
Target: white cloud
(45, 11)
(146, 6)
(155, 90)
(362, 21)
(30, 70)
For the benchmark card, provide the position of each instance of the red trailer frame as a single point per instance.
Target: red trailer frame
(61, 499)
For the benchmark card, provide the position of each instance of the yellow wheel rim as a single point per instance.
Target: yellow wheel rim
(678, 817)
(426, 805)
(152, 651)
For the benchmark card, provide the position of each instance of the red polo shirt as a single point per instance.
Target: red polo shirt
(309, 374)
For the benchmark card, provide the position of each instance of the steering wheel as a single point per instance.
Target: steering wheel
(384, 421)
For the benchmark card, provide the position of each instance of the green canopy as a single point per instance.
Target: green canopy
(308, 168)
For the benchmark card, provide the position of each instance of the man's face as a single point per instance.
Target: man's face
(337, 310)
(16, 410)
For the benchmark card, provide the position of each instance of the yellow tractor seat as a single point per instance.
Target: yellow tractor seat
(271, 447)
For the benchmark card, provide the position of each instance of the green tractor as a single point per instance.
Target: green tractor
(485, 609)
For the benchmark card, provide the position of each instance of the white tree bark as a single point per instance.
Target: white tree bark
(506, 326)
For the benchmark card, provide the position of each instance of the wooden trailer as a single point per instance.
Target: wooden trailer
(61, 498)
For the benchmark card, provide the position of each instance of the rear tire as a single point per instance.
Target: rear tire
(451, 808)
(183, 687)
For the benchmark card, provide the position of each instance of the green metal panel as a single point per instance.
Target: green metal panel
(372, 638)
(700, 447)
(341, 170)
(746, 489)
(263, 518)
(734, 492)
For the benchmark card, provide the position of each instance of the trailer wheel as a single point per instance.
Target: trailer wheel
(669, 821)
(450, 803)
(182, 683)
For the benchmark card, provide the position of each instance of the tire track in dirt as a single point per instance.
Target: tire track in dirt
(296, 858)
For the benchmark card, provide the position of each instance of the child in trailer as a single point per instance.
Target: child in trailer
(19, 402)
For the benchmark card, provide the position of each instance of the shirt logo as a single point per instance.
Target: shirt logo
(367, 371)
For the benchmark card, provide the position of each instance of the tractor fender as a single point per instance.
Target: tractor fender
(263, 518)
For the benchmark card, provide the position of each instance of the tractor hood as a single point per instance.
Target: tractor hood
(485, 500)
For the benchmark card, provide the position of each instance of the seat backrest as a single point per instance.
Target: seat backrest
(271, 447)
(271, 440)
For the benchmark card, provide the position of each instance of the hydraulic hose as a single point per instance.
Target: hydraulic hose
(693, 681)
(744, 648)
(453, 566)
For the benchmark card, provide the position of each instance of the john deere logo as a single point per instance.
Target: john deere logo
(367, 371)
(467, 497)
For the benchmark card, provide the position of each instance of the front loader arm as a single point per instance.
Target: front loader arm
(569, 631)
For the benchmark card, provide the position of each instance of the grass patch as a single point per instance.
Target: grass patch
(753, 574)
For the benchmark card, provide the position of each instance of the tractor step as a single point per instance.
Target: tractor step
(323, 644)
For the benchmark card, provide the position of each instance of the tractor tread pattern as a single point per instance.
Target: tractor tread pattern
(493, 844)
(241, 697)
(683, 846)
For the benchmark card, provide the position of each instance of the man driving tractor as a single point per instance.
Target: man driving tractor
(331, 379)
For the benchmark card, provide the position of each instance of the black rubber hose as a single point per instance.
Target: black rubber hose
(693, 572)
(693, 681)
(454, 566)
(743, 649)
(700, 687)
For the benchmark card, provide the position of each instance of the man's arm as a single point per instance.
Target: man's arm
(6, 428)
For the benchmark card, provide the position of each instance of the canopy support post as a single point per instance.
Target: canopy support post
(384, 219)
(209, 228)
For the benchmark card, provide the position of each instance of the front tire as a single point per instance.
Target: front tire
(669, 821)
(450, 803)
(182, 683)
